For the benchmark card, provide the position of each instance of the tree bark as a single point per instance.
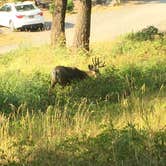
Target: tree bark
(58, 23)
(82, 29)
(115, 2)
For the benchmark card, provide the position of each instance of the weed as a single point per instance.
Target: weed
(149, 33)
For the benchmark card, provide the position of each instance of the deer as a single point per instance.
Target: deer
(65, 75)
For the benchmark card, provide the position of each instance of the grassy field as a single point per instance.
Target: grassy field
(117, 119)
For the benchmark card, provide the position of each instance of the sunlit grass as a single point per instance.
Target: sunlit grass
(117, 119)
(7, 38)
(114, 53)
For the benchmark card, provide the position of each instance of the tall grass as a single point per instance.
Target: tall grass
(115, 83)
(57, 137)
(116, 119)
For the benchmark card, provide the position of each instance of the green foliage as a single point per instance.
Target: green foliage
(115, 83)
(117, 118)
(69, 8)
(70, 5)
(127, 146)
(145, 34)
(17, 88)
(129, 45)
(59, 138)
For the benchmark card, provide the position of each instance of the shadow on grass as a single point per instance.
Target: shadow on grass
(123, 2)
(129, 146)
(139, 2)
(150, 1)
(48, 25)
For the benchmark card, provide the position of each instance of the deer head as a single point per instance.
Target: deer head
(94, 67)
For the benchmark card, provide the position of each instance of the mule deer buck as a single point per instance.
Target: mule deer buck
(65, 75)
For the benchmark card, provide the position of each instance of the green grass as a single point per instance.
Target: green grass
(117, 119)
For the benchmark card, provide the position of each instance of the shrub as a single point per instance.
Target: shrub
(148, 33)
(70, 6)
(17, 88)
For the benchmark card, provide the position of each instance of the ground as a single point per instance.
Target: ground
(107, 23)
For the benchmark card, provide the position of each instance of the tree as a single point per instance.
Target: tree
(82, 29)
(58, 23)
(115, 2)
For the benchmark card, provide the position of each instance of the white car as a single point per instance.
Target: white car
(21, 15)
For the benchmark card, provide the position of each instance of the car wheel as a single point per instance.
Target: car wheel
(41, 28)
(11, 26)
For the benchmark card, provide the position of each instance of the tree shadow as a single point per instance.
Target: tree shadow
(48, 25)
(111, 147)
(69, 25)
(123, 2)
(139, 2)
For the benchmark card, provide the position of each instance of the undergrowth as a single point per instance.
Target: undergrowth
(115, 119)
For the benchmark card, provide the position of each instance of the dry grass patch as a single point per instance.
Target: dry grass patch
(7, 37)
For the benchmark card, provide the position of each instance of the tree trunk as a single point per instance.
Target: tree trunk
(82, 29)
(115, 2)
(58, 23)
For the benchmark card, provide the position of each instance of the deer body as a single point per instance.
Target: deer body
(64, 75)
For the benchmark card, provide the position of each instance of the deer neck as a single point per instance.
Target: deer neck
(91, 73)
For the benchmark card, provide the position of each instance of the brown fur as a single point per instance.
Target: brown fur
(64, 75)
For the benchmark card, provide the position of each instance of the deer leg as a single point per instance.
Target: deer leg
(53, 83)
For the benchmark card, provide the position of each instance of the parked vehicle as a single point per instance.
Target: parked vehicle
(21, 15)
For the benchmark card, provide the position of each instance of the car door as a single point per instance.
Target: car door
(2, 14)
(5, 13)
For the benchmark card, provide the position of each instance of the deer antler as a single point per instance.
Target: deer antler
(97, 63)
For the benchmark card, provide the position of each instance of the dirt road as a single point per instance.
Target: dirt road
(105, 24)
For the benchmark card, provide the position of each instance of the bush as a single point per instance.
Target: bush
(17, 88)
(148, 33)
(70, 6)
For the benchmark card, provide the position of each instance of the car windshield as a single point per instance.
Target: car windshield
(22, 8)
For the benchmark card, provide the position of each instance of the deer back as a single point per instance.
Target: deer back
(64, 75)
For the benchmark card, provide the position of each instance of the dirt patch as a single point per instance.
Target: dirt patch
(7, 37)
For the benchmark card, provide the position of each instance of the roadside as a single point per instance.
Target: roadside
(107, 23)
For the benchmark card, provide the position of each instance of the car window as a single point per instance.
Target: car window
(22, 8)
(5, 8)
